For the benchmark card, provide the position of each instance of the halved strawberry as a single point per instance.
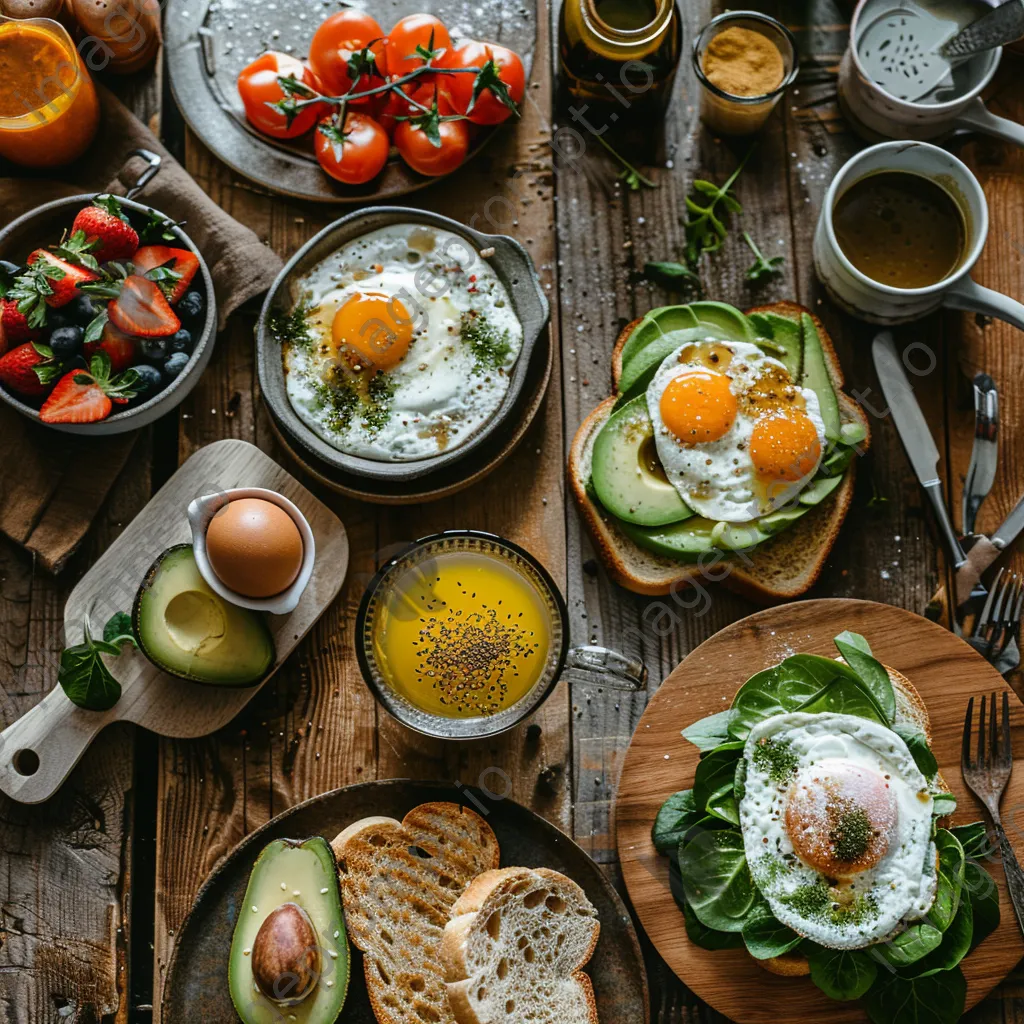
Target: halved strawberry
(81, 397)
(120, 348)
(60, 277)
(106, 228)
(14, 326)
(141, 309)
(182, 262)
(28, 370)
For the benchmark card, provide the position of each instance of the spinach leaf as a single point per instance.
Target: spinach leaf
(709, 732)
(951, 879)
(945, 804)
(979, 886)
(841, 973)
(708, 938)
(84, 676)
(118, 630)
(716, 772)
(917, 744)
(722, 804)
(843, 697)
(677, 814)
(716, 879)
(955, 945)
(765, 937)
(975, 840)
(911, 945)
(768, 693)
(937, 999)
(857, 654)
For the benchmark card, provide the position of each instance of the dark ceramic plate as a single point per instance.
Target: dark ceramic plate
(207, 44)
(510, 262)
(196, 988)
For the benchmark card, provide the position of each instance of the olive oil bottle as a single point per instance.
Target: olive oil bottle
(621, 52)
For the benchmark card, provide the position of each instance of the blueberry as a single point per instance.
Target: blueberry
(150, 379)
(192, 306)
(66, 342)
(174, 364)
(181, 342)
(57, 318)
(153, 350)
(81, 310)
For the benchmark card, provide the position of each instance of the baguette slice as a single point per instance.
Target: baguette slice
(780, 569)
(515, 949)
(399, 881)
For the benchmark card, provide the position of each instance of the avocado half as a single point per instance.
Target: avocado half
(292, 913)
(186, 629)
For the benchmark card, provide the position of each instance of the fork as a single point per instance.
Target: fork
(986, 777)
(996, 632)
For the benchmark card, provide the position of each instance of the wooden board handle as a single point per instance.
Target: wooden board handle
(38, 752)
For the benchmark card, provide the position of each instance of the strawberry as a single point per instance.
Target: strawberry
(81, 397)
(119, 347)
(54, 278)
(14, 326)
(140, 308)
(181, 262)
(28, 370)
(106, 229)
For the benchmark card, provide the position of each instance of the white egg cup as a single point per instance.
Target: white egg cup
(202, 510)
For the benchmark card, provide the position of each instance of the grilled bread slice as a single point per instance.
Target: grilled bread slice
(515, 949)
(779, 569)
(399, 882)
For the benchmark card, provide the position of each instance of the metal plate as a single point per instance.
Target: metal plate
(196, 987)
(208, 42)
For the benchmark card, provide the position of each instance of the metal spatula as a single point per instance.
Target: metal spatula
(1000, 26)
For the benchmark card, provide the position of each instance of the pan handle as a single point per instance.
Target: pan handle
(153, 161)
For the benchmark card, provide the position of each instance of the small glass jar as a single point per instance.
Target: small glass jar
(49, 111)
(621, 52)
(742, 115)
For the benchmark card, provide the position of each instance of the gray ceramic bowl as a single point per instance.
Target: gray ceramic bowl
(43, 226)
(510, 262)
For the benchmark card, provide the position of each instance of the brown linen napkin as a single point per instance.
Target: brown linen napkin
(53, 485)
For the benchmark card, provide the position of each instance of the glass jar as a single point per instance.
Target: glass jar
(621, 52)
(49, 111)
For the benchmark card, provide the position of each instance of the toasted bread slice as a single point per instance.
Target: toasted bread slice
(779, 569)
(399, 881)
(515, 949)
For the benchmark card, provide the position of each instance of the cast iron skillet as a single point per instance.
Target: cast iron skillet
(510, 262)
(43, 226)
(197, 986)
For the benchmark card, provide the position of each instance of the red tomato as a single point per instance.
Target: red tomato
(423, 156)
(415, 30)
(355, 156)
(397, 105)
(258, 86)
(508, 68)
(340, 36)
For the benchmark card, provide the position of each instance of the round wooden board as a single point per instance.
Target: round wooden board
(660, 762)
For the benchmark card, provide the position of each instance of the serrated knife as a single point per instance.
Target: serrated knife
(915, 435)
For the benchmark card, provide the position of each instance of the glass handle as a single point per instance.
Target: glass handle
(616, 670)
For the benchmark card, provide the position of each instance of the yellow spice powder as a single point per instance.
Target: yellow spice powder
(742, 62)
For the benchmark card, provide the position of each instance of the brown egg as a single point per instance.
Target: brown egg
(255, 547)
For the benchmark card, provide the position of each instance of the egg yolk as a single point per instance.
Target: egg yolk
(785, 447)
(839, 817)
(698, 406)
(375, 328)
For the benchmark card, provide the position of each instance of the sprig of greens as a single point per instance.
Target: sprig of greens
(629, 174)
(762, 267)
(83, 675)
(672, 276)
(706, 228)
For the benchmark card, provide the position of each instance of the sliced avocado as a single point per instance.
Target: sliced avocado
(657, 322)
(819, 489)
(640, 370)
(186, 629)
(786, 343)
(626, 473)
(295, 885)
(816, 377)
(725, 319)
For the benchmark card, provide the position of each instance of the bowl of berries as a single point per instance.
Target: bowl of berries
(107, 314)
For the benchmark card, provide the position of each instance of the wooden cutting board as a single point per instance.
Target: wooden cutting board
(660, 762)
(39, 750)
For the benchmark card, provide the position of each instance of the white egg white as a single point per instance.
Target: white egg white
(717, 478)
(884, 898)
(440, 394)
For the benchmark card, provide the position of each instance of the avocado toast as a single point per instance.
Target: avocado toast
(649, 538)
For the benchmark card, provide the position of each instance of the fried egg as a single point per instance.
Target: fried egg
(837, 827)
(410, 340)
(736, 437)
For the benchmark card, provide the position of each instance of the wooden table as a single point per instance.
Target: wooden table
(94, 884)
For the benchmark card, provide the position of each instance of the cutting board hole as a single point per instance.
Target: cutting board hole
(26, 762)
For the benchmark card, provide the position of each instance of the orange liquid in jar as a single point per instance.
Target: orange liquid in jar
(49, 111)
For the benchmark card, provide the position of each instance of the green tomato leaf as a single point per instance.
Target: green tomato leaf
(842, 974)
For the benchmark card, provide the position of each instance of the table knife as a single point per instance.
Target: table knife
(915, 435)
(982, 471)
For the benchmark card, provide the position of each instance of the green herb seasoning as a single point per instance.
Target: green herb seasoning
(776, 759)
(293, 328)
(490, 346)
(851, 835)
(820, 900)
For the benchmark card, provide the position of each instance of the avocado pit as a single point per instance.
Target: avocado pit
(286, 960)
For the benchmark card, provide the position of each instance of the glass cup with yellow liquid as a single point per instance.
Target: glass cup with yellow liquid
(464, 634)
